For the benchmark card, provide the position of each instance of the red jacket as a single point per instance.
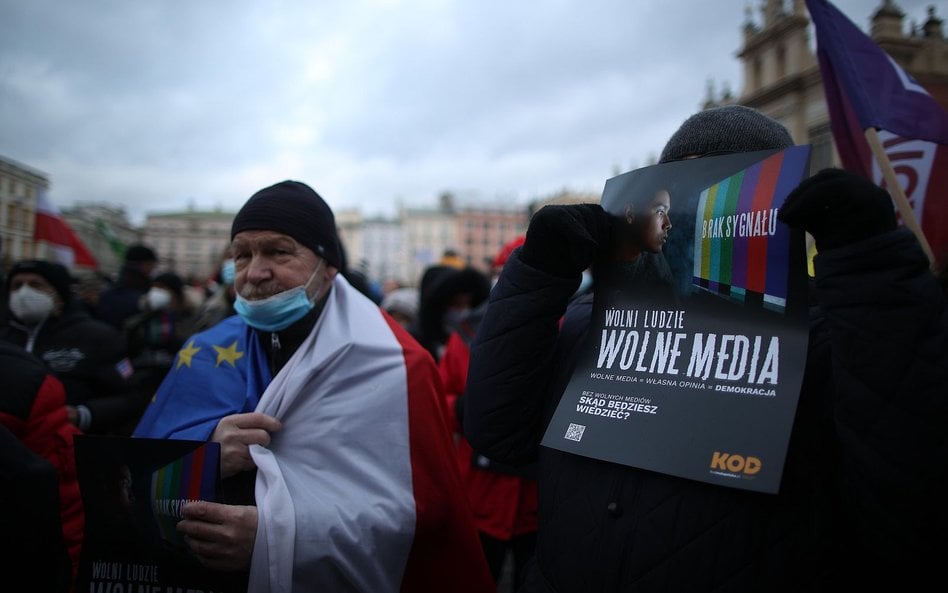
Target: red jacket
(33, 408)
(504, 505)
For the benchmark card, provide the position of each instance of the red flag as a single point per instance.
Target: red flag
(865, 88)
(53, 230)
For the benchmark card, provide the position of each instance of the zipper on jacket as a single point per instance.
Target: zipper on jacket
(275, 348)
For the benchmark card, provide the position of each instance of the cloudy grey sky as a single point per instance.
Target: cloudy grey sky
(160, 105)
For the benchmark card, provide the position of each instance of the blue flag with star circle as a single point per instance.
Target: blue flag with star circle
(220, 371)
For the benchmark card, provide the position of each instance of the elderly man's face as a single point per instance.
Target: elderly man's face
(268, 263)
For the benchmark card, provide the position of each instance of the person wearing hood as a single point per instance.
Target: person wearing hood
(87, 355)
(448, 294)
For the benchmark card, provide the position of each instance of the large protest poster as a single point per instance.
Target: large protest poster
(132, 492)
(695, 355)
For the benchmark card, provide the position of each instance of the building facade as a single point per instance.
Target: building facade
(19, 187)
(384, 257)
(483, 231)
(427, 234)
(191, 244)
(781, 75)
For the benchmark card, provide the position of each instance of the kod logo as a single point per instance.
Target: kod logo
(736, 464)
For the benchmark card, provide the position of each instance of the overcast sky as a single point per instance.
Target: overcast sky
(162, 105)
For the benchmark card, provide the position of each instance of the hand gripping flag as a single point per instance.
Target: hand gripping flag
(873, 101)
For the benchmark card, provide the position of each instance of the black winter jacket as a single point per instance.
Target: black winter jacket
(89, 357)
(861, 502)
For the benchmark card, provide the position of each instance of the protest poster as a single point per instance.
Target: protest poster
(132, 491)
(695, 355)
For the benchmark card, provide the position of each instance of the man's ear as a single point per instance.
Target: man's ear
(629, 214)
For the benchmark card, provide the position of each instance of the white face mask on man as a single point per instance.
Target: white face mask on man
(31, 306)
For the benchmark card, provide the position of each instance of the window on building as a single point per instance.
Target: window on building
(822, 155)
(781, 61)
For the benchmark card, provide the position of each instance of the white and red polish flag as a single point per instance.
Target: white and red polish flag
(51, 229)
(360, 490)
(865, 88)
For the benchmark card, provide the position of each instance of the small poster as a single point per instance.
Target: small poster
(697, 345)
(132, 491)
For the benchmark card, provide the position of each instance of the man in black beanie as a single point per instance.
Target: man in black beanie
(335, 457)
(859, 505)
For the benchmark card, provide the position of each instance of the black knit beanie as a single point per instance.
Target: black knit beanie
(56, 274)
(729, 129)
(292, 208)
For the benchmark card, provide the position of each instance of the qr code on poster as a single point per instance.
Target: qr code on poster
(574, 432)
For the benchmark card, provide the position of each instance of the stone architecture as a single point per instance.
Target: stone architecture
(782, 77)
(191, 243)
(482, 231)
(19, 186)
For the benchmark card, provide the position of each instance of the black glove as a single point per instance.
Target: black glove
(564, 240)
(838, 208)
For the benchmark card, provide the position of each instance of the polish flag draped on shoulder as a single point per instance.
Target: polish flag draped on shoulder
(871, 97)
(359, 490)
(53, 230)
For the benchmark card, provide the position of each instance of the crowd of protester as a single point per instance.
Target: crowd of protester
(464, 368)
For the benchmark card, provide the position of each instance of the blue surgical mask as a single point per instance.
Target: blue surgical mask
(279, 311)
(228, 271)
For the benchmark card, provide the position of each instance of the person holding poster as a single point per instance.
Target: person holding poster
(329, 416)
(857, 506)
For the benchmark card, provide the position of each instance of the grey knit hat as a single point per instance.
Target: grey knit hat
(729, 129)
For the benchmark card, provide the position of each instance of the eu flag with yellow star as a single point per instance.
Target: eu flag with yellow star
(220, 371)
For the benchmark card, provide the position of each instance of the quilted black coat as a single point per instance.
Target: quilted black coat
(863, 502)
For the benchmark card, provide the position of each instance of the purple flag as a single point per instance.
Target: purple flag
(865, 88)
(882, 94)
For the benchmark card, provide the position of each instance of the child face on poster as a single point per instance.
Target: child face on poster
(647, 224)
(125, 494)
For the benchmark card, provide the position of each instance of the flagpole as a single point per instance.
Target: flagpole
(897, 193)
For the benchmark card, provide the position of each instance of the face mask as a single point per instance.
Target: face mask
(279, 311)
(30, 305)
(228, 271)
(158, 298)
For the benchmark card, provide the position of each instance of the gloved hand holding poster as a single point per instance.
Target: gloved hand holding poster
(696, 351)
